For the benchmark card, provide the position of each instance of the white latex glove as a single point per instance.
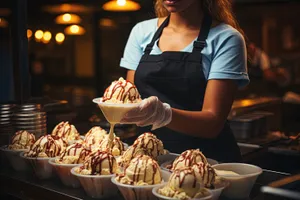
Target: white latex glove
(151, 111)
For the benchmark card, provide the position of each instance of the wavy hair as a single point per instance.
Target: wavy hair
(220, 10)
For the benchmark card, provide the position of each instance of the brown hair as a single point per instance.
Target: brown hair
(220, 10)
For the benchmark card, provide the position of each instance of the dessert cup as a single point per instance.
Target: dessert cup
(240, 185)
(114, 112)
(14, 158)
(140, 192)
(96, 186)
(219, 187)
(165, 164)
(40, 166)
(207, 196)
(64, 173)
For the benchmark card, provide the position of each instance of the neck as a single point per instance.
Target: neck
(190, 18)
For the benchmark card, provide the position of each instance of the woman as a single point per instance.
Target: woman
(187, 65)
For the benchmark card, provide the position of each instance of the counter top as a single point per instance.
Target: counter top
(25, 185)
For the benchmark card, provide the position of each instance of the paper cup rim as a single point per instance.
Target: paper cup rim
(240, 175)
(5, 148)
(34, 158)
(128, 105)
(52, 162)
(224, 184)
(89, 176)
(113, 179)
(155, 193)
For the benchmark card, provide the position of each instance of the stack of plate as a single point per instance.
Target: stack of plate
(6, 129)
(31, 118)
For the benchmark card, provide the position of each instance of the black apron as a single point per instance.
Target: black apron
(177, 78)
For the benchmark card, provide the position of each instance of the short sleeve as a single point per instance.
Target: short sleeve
(230, 60)
(133, 50)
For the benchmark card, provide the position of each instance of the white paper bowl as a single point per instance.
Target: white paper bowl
(114, 112)
(96, 186)
(219, 187)
(64, 173)
(133, 192)
(240, 186)
(14, 158)
(40, 166)
(164, 165)
(161, 197)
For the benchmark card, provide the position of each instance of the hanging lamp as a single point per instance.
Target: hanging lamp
(121, 6)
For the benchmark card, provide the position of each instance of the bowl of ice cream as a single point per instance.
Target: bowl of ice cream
(139, 177)
(119, 98)
(20, 142)
(72, 156)
(66, 131)
(241, 177)
(183, 184)
(41, 151)
(95, 174)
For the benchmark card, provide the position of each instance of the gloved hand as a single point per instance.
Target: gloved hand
(151, 111)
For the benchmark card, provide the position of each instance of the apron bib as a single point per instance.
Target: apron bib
(177, 78)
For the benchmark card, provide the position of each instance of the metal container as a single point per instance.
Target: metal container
(250, 125)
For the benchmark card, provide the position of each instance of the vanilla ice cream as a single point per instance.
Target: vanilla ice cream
(182, 184)
(94, 137)
(98, 163)
(142, 170)
(21, 140)
(116, 148)
(66, 131)
(46, 146)
(205, 174)
(188, 158)
(130, 153)
(121, 91)
(151, 144)
(73, 154)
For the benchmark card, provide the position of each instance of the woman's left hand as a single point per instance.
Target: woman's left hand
(151, 111)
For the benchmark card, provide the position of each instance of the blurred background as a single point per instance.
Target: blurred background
(64, 53)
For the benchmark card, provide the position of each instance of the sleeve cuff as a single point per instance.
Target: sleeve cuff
(128, 65)
(241, 78)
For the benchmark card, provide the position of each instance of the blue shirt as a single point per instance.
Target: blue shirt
(224, 56)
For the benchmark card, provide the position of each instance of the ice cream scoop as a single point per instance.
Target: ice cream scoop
(46, 146)
(121, 91)
(66, 131)
(116, 148)
(153, 146)
(94, 137)
(130, 153)
(182, 184)
(188, 158)
(205, 174)
(142, 170)
(99, 163)
(73, 154)
(21, 140)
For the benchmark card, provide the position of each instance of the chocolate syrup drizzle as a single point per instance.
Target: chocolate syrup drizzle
(51, 147)
(29, 141)
(63, 129)
(207, 170)
(189, 158)
(123, 93)
(77, 146)
(187, 171)
(95, 162)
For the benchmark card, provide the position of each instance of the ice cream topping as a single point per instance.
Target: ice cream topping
(121, 91)
(94, 137)
(66, 131)
(188, 158)
(46, 146)
(116, 148)
(99, 163)
(142, 170)
(21, 140)
(206, 174)
(73, 154)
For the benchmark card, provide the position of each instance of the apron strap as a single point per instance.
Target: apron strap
(200, 43)
(157, 34)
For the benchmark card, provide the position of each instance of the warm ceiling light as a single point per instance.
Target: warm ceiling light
(3, 23)
(121, 5)
(68, 19)
(109, 23)
(74, 30)
(47, 37)
(60, 37)
(66, 8)
(29, 33)
(38, 35)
